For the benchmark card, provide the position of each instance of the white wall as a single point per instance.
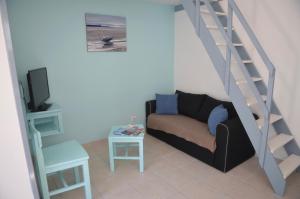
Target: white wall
(276, 24)
(16, 181)
(193, 69)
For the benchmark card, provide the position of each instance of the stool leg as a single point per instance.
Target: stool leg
(44, 186)
(111, 156)
(76, 174)
(126, 150)
(115, 149)
(141, 156)
(62, 178)
(86, 178)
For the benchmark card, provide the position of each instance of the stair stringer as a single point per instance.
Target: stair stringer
(270, 166)
(273, 173)
(213, 51)
(244, 113)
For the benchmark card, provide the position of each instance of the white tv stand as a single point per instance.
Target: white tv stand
(47, 122)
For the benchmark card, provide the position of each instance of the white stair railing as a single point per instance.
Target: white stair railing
(233, 8)
(231, 51)
(257, 130)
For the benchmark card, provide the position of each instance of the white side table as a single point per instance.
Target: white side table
(115, 140)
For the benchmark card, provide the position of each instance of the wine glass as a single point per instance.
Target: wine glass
(132, 120)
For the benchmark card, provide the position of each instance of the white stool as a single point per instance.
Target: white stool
(125, 141)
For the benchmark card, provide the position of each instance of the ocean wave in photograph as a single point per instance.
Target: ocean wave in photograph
(106, 33)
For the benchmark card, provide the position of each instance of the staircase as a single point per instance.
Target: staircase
(244, 85)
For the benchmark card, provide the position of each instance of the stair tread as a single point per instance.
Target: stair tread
(234, 44)
(218, 13)
(273, 118)
(216, 27)
(254, 79)
(249, 61)
(252, 101)
(278, 141)
(245, 61)
(289, 165)
(213, 1)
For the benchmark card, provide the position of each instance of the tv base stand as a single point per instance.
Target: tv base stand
(42, 107)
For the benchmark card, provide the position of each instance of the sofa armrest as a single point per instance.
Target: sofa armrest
(150, 108)
(233, 145)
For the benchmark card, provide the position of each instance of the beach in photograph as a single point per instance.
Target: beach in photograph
(106, 33)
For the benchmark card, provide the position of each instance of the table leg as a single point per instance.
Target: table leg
(141, 156)
(126, 149)
(115, 149)
(111, 155)
(87, 183)
(76, 174)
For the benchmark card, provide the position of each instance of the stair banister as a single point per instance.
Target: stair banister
(271, 77)
(228, 50)
(267, 113)
(277, 173)
(197, 18)
(191, 11)
(237, 56)
(213, 51)
(251, 35)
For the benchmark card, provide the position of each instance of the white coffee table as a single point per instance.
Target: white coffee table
(115, 141)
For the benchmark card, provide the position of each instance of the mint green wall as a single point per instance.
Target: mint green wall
(96, 90)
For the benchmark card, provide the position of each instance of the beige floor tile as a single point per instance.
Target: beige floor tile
(236, 189)
(177, 159)
(78, 193)
(172, 174)
(156, 188)
(292, 192)
(125, 193)
(150, 159)
(294, 180)
(194, 190)
(159, 148)
(176, 177)
(246, 169)
(94, 148)
(52, 182)
(200, 171)
(176, 195)
(259, 182)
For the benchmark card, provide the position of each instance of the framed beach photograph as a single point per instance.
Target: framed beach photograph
(105, 33)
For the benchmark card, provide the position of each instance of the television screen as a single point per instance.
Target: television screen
(38, 88)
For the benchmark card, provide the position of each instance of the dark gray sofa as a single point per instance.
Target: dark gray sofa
(232, 142)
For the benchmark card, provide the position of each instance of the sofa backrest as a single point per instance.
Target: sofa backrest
(199, 106)
(190, 104)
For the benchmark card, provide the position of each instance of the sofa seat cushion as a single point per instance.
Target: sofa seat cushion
(185, 127)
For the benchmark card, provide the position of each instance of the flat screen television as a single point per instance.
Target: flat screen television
(38, 89)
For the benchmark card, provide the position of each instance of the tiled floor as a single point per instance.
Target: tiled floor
(171, 174)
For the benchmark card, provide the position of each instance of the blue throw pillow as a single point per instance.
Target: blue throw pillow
(166, 104)
(217, 115)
